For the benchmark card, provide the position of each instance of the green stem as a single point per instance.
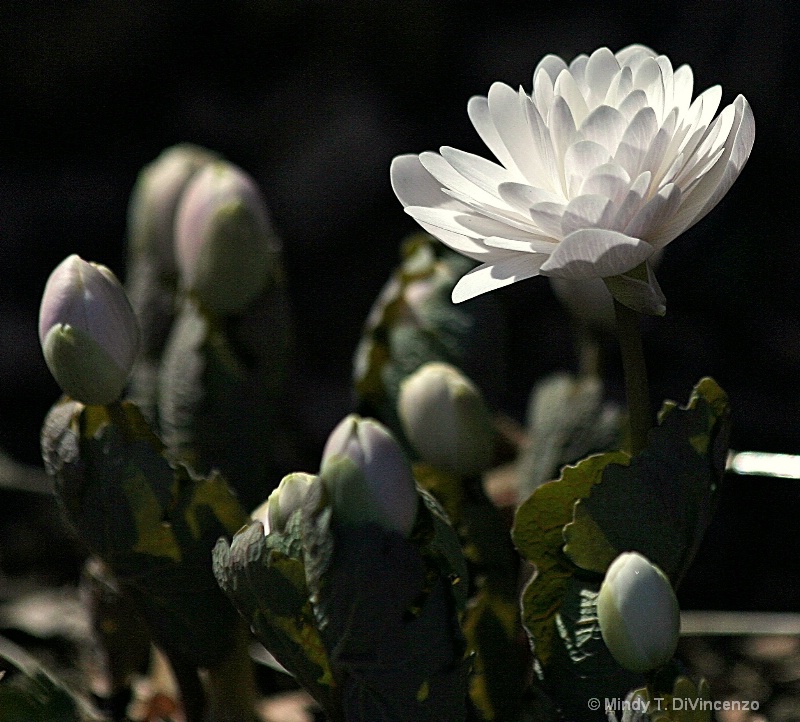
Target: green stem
(190, 687)
(640, 416)
(231, 683)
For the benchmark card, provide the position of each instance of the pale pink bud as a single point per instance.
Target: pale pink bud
(154, 200)
(88, 331)
(368, 476)
(224, 240)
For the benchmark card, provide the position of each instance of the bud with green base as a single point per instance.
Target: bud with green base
(88, 331)
(368, 477)
(152, 275)
(223, 366)
(283, 502)
(638, 613)
(154, 202)
(446, 419)
(224, 241)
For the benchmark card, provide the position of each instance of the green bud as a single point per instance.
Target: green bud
(368, 477)
(224, 241)
(88, 331)
(638, 613)
(446, 419)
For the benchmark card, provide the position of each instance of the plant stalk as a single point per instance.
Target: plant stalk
(637, 390)
(190, 689)
(231, 683)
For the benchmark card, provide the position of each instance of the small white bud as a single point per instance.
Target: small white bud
(88, 331)
(284, 500)
(638, 613)
(368, 476)
(446, 419)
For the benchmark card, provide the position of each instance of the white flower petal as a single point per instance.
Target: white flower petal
(552, 65)
(500, 272)
(699, 118)
(542, 153)
(566, 87)
(693, 174)
(448, 178)
(609, 180)
(522, 196)
(466, 222)
(509, 244)
(506, 215)
(604, 125)
(543, 91)
(562, 132)
(483, 173)
(577, 68)
(620, 87)
(660, 208)
(658, 146)
(593, 252)
(633, 201)
(466, 246)
(600, 71)
(648, 78)
(713, 142)
(587, 212)
(716, 183)
(683, 83)
(481, 118)
(667, 80)
(580, 160)
(547, 218)
(633, 53)
(510, 117)
(632, 104)
(414, 186)
(636, 141)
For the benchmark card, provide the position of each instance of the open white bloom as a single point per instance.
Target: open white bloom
(603, 164)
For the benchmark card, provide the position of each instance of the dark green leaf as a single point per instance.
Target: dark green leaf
(538, 536)
(662, 502)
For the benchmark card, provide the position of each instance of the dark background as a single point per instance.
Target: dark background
(314, 98)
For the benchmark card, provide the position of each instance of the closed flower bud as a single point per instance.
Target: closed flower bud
(446, 419)
(638, 613)
(88, 331)
(368, 476)
(286, 499)
(224, 240)
(154, 200)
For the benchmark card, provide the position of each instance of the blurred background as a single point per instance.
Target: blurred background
(313, 98)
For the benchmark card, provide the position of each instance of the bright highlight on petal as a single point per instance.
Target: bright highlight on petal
(607, 160)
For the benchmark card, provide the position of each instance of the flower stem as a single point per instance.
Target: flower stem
(637, 391)
(231, 683)
(190, 688)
